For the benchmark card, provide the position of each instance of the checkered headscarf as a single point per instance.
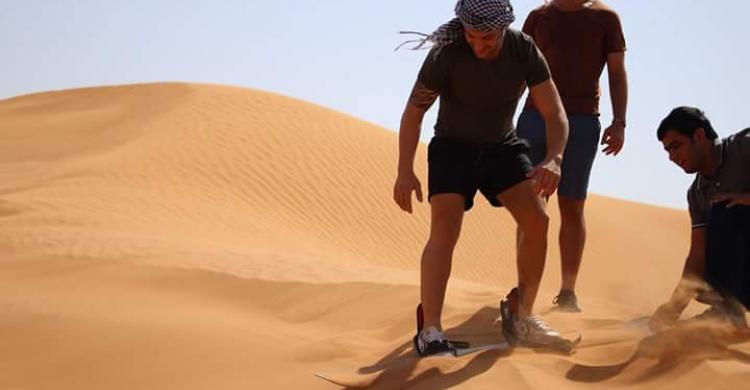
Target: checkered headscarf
(482, 15)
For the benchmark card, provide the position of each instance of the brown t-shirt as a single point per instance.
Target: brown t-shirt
(479, 98)
(576, 45)
(732, 176)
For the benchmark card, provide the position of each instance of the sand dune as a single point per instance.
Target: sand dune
(195, 236)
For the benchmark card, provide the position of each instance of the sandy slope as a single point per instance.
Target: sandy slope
(193, 237)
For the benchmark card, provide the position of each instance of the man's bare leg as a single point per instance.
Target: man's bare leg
(530, 214)
(447, 211)
(572, 239)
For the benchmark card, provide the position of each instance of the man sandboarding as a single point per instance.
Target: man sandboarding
(480, 68)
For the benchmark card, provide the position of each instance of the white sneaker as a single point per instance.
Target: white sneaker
(530, 331)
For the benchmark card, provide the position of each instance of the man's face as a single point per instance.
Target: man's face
(485, 45)
(685, 151)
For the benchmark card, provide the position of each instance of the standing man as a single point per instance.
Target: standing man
(480, 68)
(577, 37)
(719, 203)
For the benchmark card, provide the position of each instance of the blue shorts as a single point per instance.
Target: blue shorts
(580, 151)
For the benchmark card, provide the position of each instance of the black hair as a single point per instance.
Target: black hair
(685, 120)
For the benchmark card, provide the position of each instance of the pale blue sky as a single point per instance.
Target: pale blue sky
(339, 53)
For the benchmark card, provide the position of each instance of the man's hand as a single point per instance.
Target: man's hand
(665, 316)
(546, 177)
(732, 199)
(405, 184)
(614, 138)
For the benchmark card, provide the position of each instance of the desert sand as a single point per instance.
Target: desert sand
(186, 236)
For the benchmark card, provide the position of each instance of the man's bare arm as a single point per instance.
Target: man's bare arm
(692, 279)
(549, 104)
(614, 134)
(695, 265)
(420, 100)
(618, 84)
(693, 273)
(547, 174)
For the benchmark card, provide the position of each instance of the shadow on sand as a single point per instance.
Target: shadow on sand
(394, 371)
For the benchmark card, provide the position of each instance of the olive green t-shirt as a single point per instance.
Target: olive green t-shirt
(478, 98)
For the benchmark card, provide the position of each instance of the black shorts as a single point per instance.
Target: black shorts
(457, 167)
